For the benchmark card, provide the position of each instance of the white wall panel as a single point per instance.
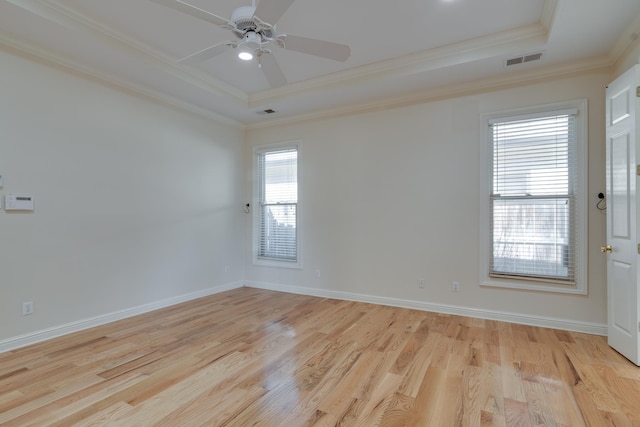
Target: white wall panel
(392, 196)
(135, 202)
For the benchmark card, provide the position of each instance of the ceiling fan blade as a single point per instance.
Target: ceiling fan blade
(272, 71)
(194, 11)
(271, 11)
(330, 50)
(205, 54)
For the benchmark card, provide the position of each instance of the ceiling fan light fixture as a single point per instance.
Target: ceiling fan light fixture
(249, 45)
(245, 54)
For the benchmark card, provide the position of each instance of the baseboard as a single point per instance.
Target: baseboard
(545, 322)
(57, 331)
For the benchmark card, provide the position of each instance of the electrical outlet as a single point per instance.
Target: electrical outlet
(317, 274)
(27, 308)
(421, 283)
(455, 287)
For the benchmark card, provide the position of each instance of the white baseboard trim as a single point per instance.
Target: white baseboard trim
(57, 331)
(523, 319)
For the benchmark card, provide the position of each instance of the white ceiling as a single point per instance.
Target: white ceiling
(400, 51)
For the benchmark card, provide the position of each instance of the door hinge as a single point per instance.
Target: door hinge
(638, 248)
(638, 170)
(638, 91)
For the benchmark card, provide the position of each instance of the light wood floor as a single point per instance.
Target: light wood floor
(250, 356)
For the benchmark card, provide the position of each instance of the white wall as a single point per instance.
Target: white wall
(392, 196)
(136, 202)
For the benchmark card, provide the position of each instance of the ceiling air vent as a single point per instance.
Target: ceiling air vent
(514, 61)
(523, 59)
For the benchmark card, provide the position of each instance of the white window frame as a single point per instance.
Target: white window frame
(582, 143)
(273, 262)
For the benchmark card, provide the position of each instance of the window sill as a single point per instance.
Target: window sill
(267, 262)
(534, 286)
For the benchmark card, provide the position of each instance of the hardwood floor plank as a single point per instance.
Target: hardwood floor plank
(471, 396)
(490, 419)
(564, 406)
(398, 412)
(410, 349)
(516, 413)
(78, 400)
(426, 403)
(151, 411)
(511, 367)
(348, 387)
(539, 409)
(622, 391)
(380, 399)
(412, 378)
(211, 411)
(595, 385)
(589, 411)
(106, 416)
(491, 395)
(256, 357)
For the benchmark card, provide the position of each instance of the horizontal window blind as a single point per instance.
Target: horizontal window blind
(278, 210)
(532, 202)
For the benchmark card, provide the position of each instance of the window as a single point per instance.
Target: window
(276, 214)
(534, 200)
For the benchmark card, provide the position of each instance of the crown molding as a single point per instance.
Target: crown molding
(548, 15)
(498, 44)
(486, 85)
(70, 19)
(629, 38)
(32, 52)
(501, 44)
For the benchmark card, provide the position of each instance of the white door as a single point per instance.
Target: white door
(623, 241)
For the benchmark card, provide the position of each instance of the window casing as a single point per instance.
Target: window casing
(533, 217)
(276, 213)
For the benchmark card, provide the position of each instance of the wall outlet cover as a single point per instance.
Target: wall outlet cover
(27, 308)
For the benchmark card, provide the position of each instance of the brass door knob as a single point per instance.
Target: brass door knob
(606, 249)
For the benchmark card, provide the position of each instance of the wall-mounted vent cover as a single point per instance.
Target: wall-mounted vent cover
(523, 59)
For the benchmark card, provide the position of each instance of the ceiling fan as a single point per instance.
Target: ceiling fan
(255, 29)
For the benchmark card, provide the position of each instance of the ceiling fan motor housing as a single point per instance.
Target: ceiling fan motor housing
(252, 40)
(243, 18)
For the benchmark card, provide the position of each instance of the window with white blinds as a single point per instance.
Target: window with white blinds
(532, 204)
(277, 210)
